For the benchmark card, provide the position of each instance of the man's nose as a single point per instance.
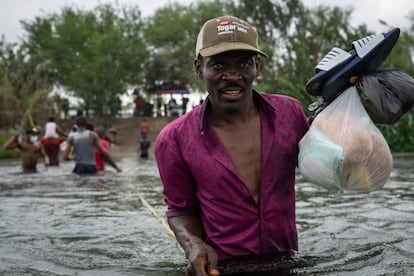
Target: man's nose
(232, 72)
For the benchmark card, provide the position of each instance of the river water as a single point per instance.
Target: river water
(56, 223)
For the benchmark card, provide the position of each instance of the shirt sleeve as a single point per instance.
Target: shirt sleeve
(178, 183)
(302, 123)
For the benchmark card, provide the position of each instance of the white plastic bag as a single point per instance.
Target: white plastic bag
(343, 149)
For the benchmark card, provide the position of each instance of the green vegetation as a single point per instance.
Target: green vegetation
(97, 55)
(400, 136)
(4, 137)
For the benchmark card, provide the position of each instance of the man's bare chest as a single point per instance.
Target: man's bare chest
(243, 146)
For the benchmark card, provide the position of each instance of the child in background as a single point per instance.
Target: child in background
(53, 130)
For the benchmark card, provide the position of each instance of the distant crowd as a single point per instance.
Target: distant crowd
(88, 146)
(161, 108)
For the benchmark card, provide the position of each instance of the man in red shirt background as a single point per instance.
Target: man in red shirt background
(52, 148)
(100, 160)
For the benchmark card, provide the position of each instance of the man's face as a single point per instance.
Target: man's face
(228, 78)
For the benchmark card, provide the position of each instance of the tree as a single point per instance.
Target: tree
(24, 84)
(171, 34)
(296, 38)
(95, 55)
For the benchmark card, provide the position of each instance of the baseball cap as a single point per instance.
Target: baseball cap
(226, 33)
(30, 131)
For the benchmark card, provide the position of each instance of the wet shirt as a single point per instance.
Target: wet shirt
(200, 179)
(84, 149)
(100, 162)
(50, 130)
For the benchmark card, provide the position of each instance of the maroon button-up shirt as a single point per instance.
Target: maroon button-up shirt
(200, 179)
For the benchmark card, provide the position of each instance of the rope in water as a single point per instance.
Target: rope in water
(152, 210)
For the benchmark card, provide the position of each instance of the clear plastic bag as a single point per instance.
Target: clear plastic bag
(344, 150)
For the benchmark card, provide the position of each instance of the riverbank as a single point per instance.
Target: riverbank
(129, 134)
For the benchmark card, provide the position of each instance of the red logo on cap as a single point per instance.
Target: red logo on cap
(224, 23)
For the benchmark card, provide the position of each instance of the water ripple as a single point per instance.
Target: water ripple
(57, 223)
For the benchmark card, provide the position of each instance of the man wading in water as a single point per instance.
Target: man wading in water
(83, 141)
(228, 166)
(30, 150)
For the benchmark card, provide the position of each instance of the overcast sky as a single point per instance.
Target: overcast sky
(394, 12)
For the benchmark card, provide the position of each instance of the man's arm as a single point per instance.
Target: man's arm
(68, 149)
(44, 154)
(202, 257)
(60, 131)
(12, 143)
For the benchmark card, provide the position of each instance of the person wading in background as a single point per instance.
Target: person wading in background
(83, 142)
(104, 141)
(30, 150)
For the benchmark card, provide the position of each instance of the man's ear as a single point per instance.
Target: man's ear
(258, 60)
(198, 68)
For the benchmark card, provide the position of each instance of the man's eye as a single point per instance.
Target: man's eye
(245, 65)
(217, 66)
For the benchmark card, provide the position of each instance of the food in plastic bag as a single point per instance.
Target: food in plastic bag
(343, 149)
(386, 94)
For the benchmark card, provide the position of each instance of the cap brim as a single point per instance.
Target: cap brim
(228, 46)
(331, 83)
(32, 131)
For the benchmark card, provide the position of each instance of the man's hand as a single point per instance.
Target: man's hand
(202, 260)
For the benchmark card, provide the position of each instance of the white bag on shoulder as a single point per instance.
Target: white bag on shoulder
(344, 150)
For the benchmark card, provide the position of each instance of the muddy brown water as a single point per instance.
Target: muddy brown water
(56, 223)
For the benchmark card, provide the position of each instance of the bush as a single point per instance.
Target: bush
(4, 153)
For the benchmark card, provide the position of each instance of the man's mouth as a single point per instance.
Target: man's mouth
(232, 92)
